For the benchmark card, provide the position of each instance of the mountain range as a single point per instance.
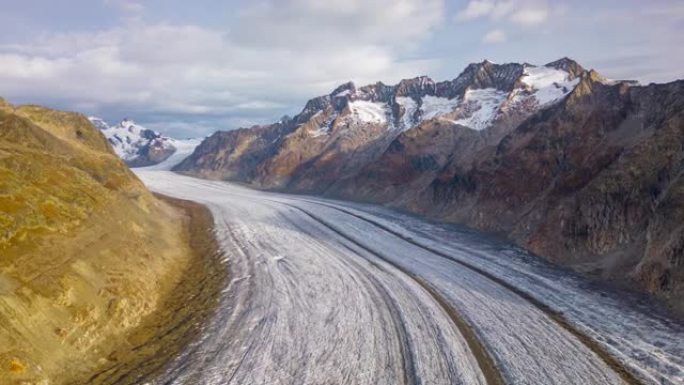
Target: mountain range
(139, 146)
(579, 169)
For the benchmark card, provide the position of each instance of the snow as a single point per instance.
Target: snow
(127, 137)
(369, 112)
(548, 84)
(184, 147)
(347, 305)
(628, 326)
(434, 106)
(410, 107)
(324, 128)
(481, 107)
(343, 93)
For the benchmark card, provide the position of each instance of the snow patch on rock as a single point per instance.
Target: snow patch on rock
(410, 106)
(128, 138)
(434, 106)
(480, 107)
(548, 84)
(369, 112)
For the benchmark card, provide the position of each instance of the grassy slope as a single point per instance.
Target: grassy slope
(86, 253)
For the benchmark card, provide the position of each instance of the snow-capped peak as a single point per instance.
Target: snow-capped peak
(134, 143)
(98, 123)
(477, 98)
(547, 83)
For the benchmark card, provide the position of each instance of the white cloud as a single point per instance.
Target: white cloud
(280, 54)
(520, 12)
(530, 16)
(313, 23)
(494, 37)
(476, 9)
(130, 6)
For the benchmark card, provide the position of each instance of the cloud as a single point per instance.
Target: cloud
(279, 54)
(494, 37)
(530, 16)
(476, 9)
(129, 6)
(302, 23)
(519, 12)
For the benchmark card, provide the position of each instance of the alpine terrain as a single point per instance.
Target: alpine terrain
(92, 265)
(579, 169)
(141, 147)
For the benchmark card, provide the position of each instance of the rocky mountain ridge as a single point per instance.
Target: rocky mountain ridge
(337, 125)
(577, 168)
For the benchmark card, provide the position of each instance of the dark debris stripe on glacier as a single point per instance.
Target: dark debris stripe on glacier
(309, 305)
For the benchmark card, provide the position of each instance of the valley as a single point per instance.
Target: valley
(346, 192)
(325, 291)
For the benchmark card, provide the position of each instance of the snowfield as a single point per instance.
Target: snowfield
(548, 84)
(327, 292)
(369, 112)
(434, 106)
(481, 108)
(410, 106)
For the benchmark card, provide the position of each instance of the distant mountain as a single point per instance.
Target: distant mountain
(139, 146)
(580, 169)
(337, 133)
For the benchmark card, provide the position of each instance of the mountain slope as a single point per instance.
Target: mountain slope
(88, 253)
(582, 170)
(593, 182)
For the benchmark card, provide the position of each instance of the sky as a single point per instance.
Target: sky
(189, 68)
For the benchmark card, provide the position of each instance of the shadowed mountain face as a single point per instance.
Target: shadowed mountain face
(582, 170)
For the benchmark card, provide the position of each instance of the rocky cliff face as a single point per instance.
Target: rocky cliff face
(579, 169)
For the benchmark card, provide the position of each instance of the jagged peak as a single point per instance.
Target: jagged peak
(568, 65)
(344, 89)
(422, 79)
(420, 85)
(486, 75)
(483, 75)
